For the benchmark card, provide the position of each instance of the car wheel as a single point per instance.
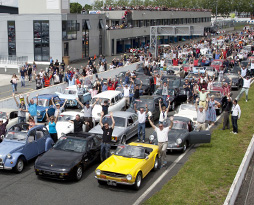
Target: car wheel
(19, 166)
(173, 106)
(123, 141)
(156, 163)
(79, 173)
(138, 181)
(185, 145)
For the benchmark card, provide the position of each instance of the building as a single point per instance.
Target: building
(8, 9)
(45, 29)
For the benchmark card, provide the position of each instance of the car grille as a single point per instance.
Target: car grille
(113, 174)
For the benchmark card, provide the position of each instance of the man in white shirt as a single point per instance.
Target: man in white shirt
(163, 112)
(162, 136)
(201, 115)
(236, 114)
(126, 93)
(246, 87)
(141, 121)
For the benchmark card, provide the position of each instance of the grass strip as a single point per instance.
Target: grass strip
(208, 174)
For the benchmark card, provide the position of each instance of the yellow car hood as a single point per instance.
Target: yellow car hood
(119, 164)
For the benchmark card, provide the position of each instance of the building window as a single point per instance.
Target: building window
(85, 38)
(141, 23)
(11, 38)
(100, 45)
(101, 24)
(69, 30)
(148, 23)
(41, 40)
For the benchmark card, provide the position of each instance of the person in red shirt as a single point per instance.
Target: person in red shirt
(196, 62)
(47, 80)
(77, 81)
(175, 62)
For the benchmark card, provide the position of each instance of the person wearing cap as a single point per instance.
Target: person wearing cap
(3, 127)
(78, 124)
(52, 120)
(235, 116)
(141, 121)
(227, 112)
(201, 115)
(246, 86)
(162, 136)
(57, 107)
(32, 107)
(87, 110)
(21, 110)
(106, 136)
(202, 97)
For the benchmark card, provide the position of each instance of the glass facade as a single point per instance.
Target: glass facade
(85, 38)
(69, 30)
(11, 38)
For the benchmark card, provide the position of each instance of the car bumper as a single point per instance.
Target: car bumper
(52, 174)
(114, 181)
(5, 167)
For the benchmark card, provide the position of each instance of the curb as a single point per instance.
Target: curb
(236, 185)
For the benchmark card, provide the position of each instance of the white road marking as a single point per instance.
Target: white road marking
(143, 196)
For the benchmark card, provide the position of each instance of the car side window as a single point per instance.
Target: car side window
(112, 101)
(120, 96)
(45, 131)
(31, 136)
(90, 144)
(135, 118)
(96, 140)
(39, 134)
(130, 121)
(13, 114)
(116, 98)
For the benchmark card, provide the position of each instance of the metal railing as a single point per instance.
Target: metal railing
(13, 60)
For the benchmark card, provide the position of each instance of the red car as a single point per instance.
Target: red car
(217, 64)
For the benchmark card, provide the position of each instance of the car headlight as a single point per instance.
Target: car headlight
(129, 177)
(98, 172)
(9, 156)
(151, 137)
(179, 141)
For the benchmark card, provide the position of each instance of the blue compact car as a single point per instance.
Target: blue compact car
(45, 102)
(22, 144)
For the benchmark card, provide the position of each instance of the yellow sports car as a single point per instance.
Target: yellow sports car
(129, 165)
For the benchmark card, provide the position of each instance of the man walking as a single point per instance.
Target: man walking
(22, 76)
(246, 86)
(162, 136)
(141, 121)
(32, 109)
(106, 137)
(236, 114)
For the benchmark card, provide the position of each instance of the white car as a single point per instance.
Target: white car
(63, 126)
(187, 110)
(115, 100)
(211, 72)
(12, 115)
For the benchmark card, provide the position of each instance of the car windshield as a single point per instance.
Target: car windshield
(188, 107)
(192, 75)
(19, 136)
(142, 103)
(130, 151)
(3, 115)
(66, 117)
(71, 144)
(100, 101)
(69, 92)
(42, 102)
(119, 121)
(216, 63)
(159, 92)
(179, 125)
(174, 68)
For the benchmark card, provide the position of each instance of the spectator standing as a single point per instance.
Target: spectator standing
(202, 97)
(227, 112)
(21, 110)
(165, 92)
(162, 136)
(32, 109)
(126, 93)
(235, 116)
(141, 121)
(22, 76)
(104, 86)
(137, 91)
(186, 87)
(201, 115)
(246, 87)
(14, 82)
(62, 65)
(52, 120)
(30, 73)
(211, 111)
(38, 82)
(105, 107)
(3, 127)
(34, 69)
(56, 78)
(106, 137)
(47, 80)
(163, 112)
(78, 124)
(31, 122)
(58, 108)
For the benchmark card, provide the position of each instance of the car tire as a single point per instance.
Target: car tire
(78, 173)
(156, 163)
(19, 166)
(173, 106)
(138, 181)
(123, 140)
(185, 145)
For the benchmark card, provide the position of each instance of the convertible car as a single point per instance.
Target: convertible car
(188, 111)
(126, 126)
(70, 156)
(182, 134)
(129, 165)
(20, 145)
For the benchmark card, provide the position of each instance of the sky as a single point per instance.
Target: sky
(15, 2)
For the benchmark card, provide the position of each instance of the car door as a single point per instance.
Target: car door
(31, 148)
(41, 140)
(197, 137)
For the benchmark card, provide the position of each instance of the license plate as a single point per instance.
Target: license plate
(111, 183)
(49, 173)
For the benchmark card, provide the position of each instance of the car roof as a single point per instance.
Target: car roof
(107, 94)
(121, 114)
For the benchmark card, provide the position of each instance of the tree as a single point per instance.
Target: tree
(98, 4)
(75, 8)
(87, 8)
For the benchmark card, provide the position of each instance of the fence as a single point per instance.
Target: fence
(12, 61)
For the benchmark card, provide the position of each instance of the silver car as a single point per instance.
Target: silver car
(126, 126)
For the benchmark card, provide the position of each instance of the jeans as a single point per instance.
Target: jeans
(246, 90)
(164, 97)
(22, 81)
(14, 87)
(234, 123)
(105, 151)
(141, 128)
(21, 119)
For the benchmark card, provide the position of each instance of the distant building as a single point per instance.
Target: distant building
(45, 29)
(9, 9)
